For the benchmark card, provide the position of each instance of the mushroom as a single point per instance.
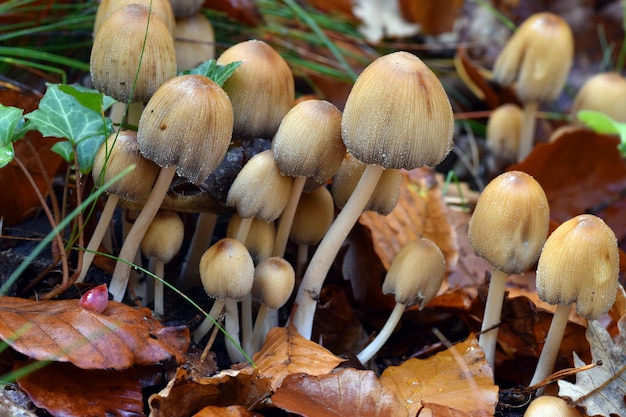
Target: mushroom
(261, 88)
(274, 279)
(186, 8)
(397, 115)
(194, 40)
(414, 277)
(503, 135)
(549, 406)
(508, 228)
(604, 92)
(579, 263)
(308, 144)
(118, 152)
(227, 273)
(160, 244)
(538, 58)
(186, 129)
(162, 8)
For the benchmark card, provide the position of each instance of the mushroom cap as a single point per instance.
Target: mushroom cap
(398, 115)
(118, 152)
(604, 92)
(185, 8)
(194, 40)
(313, 217)
(549, 406)
(274, 279)
(260, 238)
(308, 141)
(164, 236)
(261, 89)
(416, 273)
(188, 122)
(162, 8)
(114, 69)
(385, 195)
(227, 270)
(538, 56)
(503, 132)
(510, 222)
(580, 263)
(260, 190)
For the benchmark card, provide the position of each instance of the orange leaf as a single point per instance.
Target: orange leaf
(63, 389)
(436, 17)
(347, 392)
(459, 378)
(63, 331)
(286, 352)
(186, 395)
(230, 411)
(420, 212)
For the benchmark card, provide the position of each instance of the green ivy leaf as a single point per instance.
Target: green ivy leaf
(6, 154)
(65, 149)
(10, 118)
(212, 70)
(601, 123)
(72, 116)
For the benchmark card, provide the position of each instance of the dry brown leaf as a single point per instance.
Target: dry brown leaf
(443, 411)
(436, 17)
(63, 331)
(347, 392)
(184, 395)
(65, 390)
(230, 411)
(465, 384)
(286, 352)
(420, 212)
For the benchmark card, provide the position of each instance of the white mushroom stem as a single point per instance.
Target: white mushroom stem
(550, 350)
(208, 322)
(200, 242)
(246, 304)
(313, 280)
(157, 267)
(303, 256)
(378, 342)
(286, 218)
(527, 134)
(493, 311)
(119, 281)
(231, 325)
(98, 234)
(259, 327)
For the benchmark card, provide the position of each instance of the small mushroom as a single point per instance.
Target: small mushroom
(604, 92)
(194, 40)
(549, 406)
(579, 263)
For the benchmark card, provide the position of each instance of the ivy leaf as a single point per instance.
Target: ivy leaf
(601, 123)
(6, 154)
(212, 70)
(72, 116)
(65, 149)
(9, 121)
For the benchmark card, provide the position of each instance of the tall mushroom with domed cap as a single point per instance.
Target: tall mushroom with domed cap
(185, 128)
(396, 116)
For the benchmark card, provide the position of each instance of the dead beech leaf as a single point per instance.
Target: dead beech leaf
(466, 386)
(65, 390)
(600, 390)
(63, 331)
(436, 17)
(347, 392)
(444, 411)
(230, 411)
(286, 352)
(420, 212)
(185, 395)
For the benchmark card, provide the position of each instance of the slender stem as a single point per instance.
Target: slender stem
(527, 134)
(54, 202)
(246, 323)
(231, 325)
(200, 242)
(493, 311)
(303, 256)
(133, 240)
(98, 234)
(371, 349)
(159, 288)
(257, 333)
(208, 322)
(320, 264)
(551, 346)
(244, 228)
(286, 218)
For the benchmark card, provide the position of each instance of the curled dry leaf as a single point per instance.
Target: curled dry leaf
(285, 352)
(63, 331)
(459, 378)
(230, 411)
(420, 212)
(185, 395)
(65, 390)
(600, 390)
(347, 392)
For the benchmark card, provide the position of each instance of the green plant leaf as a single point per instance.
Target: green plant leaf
(212, 70)
(6, 154)
(64, 149)
(601, 123)
(72, 116)
(9, 122)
